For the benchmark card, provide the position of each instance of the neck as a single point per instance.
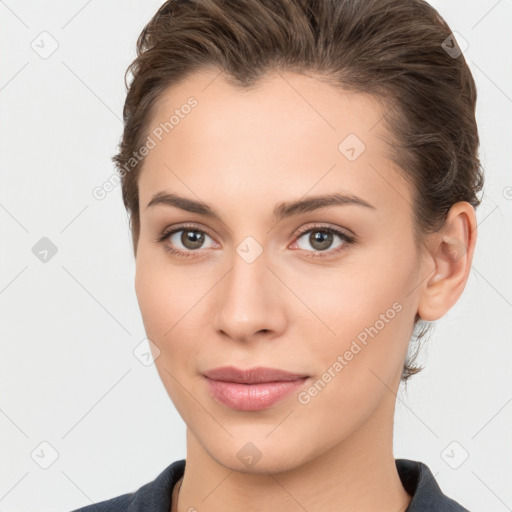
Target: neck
(357, 474)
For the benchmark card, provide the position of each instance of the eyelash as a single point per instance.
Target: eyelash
(347, 239)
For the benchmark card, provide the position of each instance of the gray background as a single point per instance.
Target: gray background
(69, 326)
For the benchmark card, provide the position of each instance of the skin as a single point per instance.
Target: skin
(242, 153)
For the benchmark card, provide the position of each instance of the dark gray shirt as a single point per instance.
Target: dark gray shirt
(155, 496)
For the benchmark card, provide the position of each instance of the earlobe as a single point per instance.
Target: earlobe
(450, 255)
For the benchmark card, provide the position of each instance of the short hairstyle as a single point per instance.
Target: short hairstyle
(402, 52)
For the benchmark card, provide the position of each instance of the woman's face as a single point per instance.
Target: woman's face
(264, 283)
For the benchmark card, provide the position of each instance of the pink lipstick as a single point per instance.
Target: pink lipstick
(253, 389)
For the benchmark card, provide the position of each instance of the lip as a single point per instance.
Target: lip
(252, 375)
(253, 389)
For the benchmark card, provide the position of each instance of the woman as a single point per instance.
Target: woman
(301, 178)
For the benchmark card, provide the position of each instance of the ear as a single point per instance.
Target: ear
(448, 262)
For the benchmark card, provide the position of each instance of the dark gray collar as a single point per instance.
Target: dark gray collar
(155, 496)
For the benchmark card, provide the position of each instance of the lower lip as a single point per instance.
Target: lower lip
(252, 397)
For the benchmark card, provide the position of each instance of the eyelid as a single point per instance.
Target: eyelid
(326, 226)
(347, 240)
(318, 225)
(347, 236)
(181, 227)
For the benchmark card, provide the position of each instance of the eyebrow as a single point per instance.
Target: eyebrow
(281, 210)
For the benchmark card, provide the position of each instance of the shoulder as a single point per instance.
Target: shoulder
(420, 483)
(155, 496)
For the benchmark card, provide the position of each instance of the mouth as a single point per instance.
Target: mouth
(253, 389)
(252, 375)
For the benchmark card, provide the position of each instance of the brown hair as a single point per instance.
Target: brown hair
(400, 51)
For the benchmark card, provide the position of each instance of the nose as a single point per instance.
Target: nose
(250, 300)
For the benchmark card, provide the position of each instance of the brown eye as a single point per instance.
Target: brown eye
(184, 241)
(321, 238)
(191, 239)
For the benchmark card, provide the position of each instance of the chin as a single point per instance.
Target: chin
(257, 454)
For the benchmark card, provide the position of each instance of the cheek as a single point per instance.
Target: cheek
(164, 306)
(170, 304)
(360, 360)
(156, 292)
(362, 312)
(344, 301)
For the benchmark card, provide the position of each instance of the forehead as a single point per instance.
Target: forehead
(302, 105)
(290, 133)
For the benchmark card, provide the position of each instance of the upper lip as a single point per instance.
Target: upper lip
(251, 375)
